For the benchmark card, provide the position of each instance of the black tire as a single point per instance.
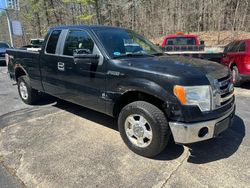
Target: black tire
(236, 76)
(32, 94)
(158, 122)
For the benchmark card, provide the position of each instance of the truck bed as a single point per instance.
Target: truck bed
(200, 51)
(29, 60)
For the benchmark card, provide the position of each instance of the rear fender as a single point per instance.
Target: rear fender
(19, 68)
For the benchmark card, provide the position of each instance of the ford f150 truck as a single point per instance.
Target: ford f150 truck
(118, 72)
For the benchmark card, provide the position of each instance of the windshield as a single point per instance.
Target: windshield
(119, 42)
(181, 41)
(3, 45)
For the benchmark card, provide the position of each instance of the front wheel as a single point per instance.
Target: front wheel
(144, 128)
(27, 94)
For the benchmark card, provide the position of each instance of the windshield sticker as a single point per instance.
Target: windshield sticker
(117, 53)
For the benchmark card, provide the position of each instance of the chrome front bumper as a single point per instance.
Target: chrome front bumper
(185, 133)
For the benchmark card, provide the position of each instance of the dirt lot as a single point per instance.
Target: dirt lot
(59, 144)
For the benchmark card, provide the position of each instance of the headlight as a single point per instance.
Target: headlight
(194, 95)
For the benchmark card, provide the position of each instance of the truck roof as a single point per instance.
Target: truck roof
(177, 35)
(85, 27)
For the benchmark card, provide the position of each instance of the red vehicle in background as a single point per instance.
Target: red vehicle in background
(189, 45)
(182, 42)
(237, 58)
(180, 39)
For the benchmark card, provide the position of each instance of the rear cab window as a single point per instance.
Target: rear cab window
(53, 42)
(181, 41)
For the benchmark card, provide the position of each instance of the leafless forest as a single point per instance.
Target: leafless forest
(151, 18)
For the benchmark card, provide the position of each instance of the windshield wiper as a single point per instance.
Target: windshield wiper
(132, 55)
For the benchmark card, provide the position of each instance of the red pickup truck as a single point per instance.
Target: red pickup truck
(237, 58)
(188, 45)
(182, 42)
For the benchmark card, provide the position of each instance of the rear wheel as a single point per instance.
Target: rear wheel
(144, 128)
(236, 76)
(27, 94)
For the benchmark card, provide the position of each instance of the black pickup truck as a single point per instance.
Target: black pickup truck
(118, 72)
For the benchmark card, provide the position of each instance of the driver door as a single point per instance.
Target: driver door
(81, 83)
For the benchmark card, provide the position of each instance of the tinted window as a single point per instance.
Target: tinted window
(52, 42)
(227, 48)
(242, 47)
(3, 45)
(181, 41)
(77, 40)
(236, 46)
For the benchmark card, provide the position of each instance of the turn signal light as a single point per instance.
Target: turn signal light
(179, 92)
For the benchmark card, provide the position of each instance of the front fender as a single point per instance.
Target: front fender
(145, 86)
(170, 103)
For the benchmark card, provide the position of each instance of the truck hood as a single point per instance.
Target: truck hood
(178, 66)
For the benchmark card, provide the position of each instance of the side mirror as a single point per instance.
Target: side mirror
(82, 51)
(202, 42)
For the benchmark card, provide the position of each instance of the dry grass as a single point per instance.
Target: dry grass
(214, 38)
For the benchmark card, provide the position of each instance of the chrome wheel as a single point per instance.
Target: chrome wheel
(138, 130)
(23, 90)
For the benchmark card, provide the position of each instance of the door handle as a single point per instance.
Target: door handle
(60, 66)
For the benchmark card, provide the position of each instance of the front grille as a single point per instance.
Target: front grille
(226, 90)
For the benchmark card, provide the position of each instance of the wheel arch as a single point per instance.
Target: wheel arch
(19, 71)
(232, 64)
(136, 95)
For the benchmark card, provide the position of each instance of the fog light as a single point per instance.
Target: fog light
(203, 132)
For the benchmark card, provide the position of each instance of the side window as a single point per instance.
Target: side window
(78, 39)
(226, 49)
(52, 42)
(242, 47)
(230, 47)
(236, 46)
